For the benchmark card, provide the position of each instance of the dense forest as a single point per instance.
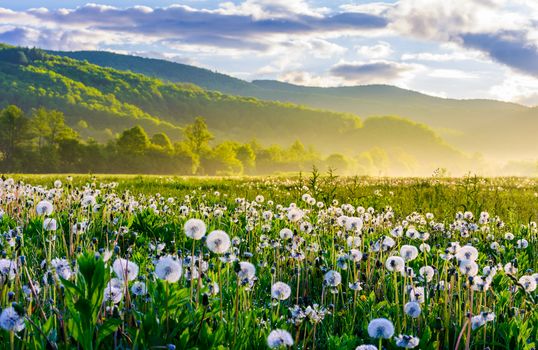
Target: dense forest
(42, 143)
(100, 103)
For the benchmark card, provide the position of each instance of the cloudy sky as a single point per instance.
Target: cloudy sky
(450, 48)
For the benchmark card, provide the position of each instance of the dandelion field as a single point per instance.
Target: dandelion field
(303, 262)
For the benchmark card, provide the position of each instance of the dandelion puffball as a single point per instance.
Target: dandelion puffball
(280, 291)
(279, 338)
(125, 269)
(395, 264)
(380, 328)
(11, 321)
(218, 242)
(332, 278)
(44, 208)
(195, 229)
(168, 269)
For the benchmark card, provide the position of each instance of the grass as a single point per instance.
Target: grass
(69, 286)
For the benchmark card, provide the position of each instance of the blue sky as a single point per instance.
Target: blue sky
(457, 48)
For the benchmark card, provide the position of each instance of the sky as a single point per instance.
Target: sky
(448, 48)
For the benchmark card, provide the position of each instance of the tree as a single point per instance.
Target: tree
(162, 140)
(49, 127)
(133, 141)
(13, 126)
(198, 136)
(246, 155)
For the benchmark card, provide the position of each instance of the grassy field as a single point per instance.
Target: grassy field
(305, 262)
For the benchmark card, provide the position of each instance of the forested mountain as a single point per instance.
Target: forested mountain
(494, 128)
(101, 102)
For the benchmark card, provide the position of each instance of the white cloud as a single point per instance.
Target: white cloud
(517, 88)
(451, 74)
(379, 50)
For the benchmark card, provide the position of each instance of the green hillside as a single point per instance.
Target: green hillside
(100, 102)
(474, 125)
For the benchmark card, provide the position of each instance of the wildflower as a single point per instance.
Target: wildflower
(218, 242)
(8, 268)
(246, 271)
(295, 214)
(355, 286)
(168, 269)
(510, 269)
(62, 268)
(279, 338)
(44, 208)
(354, 224)
(407, 341)
(412, 309)
(467, 253)
(528, 283)
(125, 269)
(380, 328)
(286, 233)
(427, 272)
(88, 201)
(50, 224)
(522, 243)
(139, 288)
(195, 229)
(355, 255)
(11, 321)
(395, 264)
(280, 291)
(114, 291)
(477, 322)
(366, 347)
(468, 267)
(416, 294)
(332, 278)
(409, 252)
(353, 241)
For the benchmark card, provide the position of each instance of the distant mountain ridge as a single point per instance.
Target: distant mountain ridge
(477, 125)
(100, 102)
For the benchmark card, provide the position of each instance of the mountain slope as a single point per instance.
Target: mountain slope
(109, 100)
(491, 127)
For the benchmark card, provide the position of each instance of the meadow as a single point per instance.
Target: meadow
(311, 261)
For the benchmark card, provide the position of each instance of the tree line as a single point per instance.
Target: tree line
(41, 142)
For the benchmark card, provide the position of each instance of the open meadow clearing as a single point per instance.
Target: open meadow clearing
(305, 262)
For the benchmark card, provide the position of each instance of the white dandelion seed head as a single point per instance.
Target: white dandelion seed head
(409, 252)
(218, 242)
(412, 309)
(380, 328)
(366, 347)
(279, 338)
(11, 321)
(468, 267)
(44, 208)
(407, 341)
(332, 278)
(50, 224)
(125, 269)
(195, 229)
(467, 253)
(286, 233)
(427, 272)
(395, 264)
(528, 283)
(168, 269)
(246, 270)
(280, 291)
(8, 268)
(139, 288)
